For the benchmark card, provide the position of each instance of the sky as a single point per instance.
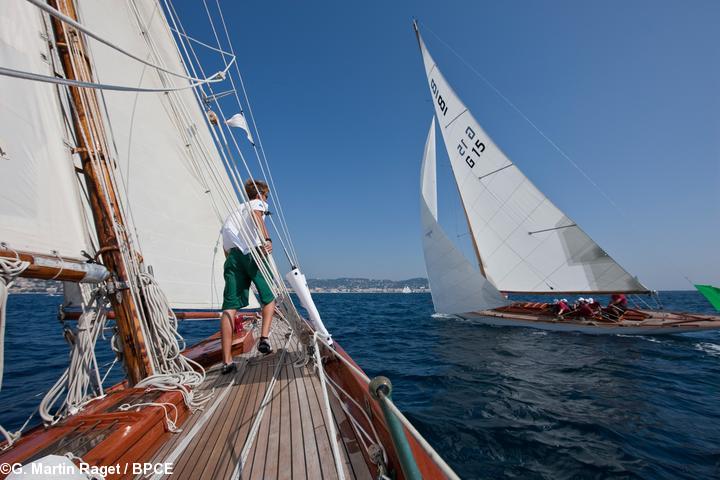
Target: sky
(628, 90)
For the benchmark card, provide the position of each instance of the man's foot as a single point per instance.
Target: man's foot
(228, 368)
(264, 346)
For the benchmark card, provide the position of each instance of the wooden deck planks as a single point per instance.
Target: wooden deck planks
(241, 423)
(295, 434)
(292, 442)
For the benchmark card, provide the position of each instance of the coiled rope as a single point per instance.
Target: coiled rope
(10, 269)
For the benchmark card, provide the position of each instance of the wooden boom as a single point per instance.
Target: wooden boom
(54, 267)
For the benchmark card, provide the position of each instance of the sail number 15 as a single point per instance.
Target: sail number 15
(477, 147)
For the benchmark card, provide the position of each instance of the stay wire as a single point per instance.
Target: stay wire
(257, 130)
(69, 21)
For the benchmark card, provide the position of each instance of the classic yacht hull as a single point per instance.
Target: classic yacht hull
(634, 322)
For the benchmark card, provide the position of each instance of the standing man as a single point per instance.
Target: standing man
(245, 231)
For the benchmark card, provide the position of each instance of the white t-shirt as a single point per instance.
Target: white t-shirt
(240, 230)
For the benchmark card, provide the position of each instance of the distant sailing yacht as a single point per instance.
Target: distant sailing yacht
(523, 242)
(406, 289)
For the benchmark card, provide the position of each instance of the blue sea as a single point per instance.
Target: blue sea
(496, 402)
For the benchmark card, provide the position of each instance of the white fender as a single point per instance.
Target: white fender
(299, 284)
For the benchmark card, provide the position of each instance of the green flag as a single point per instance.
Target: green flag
(711, 293)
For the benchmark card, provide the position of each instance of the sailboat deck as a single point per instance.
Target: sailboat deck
(293, 439)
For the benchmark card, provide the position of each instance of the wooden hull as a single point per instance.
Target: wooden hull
(104, 435)
(634, 322)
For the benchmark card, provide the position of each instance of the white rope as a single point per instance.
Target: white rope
(188, 438)
(237, 472)
(174, 370)
(11, 72)
(375, 439)
(328, 412)
(171, 424)
(10, 269)
(261, 148)
(67, 20)
(81, 380)
(225, 152)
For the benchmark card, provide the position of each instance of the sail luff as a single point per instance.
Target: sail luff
(526, 243)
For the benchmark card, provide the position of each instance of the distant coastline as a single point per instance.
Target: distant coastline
(368, 285)
(316, 285)
(334, 285)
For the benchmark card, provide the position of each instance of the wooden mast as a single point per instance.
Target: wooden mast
(103, 197)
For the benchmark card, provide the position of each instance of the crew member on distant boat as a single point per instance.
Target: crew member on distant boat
(583, 308)
(617, 305)
(241, 234)
(561, 307)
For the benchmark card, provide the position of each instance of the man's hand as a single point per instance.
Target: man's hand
(268, 246)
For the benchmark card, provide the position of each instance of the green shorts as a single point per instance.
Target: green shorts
(239, 271)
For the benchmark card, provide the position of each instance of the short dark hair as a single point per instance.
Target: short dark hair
(255, 188)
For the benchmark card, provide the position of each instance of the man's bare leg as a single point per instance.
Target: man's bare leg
(267, 316)
(227, 325)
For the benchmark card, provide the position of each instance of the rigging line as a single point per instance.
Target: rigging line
(246, 231)
(257, 132)
(231, 165)
(10, 72)
(192, 39)
(65, 19)
(280, 288)
(182, 119)
(495, 171)
(97, 141)
(527, 119)
(551, 229)
(282, 243)
(267, 176)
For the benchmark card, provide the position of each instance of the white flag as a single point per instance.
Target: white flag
(238, 121)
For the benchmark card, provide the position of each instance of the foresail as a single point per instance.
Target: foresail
(526, 243)
(169, 164)
(40, 207)
(456, 286)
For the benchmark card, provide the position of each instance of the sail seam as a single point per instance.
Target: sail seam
(458, 116)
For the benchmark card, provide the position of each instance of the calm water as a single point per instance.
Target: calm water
(496, 402)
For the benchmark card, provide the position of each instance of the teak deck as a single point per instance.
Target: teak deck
(293, 439)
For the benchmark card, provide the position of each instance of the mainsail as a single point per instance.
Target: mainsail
(525, 243)
(175, 183)
(40, 207)
(456, 286)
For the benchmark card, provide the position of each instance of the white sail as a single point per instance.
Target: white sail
(165, 153)
(456, 286)
(40, 207)
(525, 243)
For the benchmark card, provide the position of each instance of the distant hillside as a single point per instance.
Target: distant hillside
(366, 284)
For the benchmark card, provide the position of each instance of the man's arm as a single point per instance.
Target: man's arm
(258, 215)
